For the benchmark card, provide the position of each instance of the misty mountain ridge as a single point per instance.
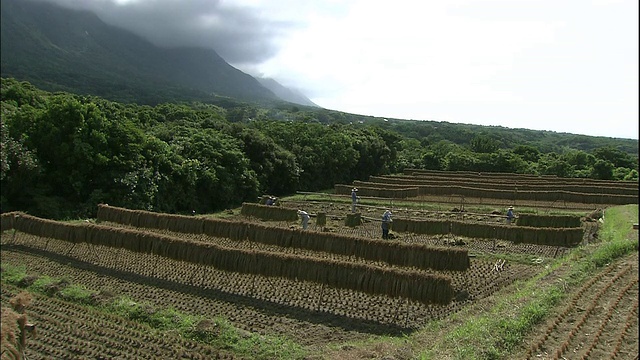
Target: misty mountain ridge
(60, 49)
(285, 93)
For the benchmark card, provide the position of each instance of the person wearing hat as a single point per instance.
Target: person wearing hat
(354, 199)
(386, 220)
(270, 201)
(304, 216)
(510, 215)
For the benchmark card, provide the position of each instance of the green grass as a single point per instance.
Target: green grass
(611, 251)
(618, 224)
(615, 237)
(13, 274)
(42, 284)
(77, 294)
(218, 332)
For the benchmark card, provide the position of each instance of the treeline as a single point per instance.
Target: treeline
(62, 154)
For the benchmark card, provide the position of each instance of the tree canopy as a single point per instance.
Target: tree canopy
(62, 154)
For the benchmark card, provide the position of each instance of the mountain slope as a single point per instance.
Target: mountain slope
(285, 93)
(61, 49)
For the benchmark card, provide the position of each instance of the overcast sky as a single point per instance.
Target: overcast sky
(559, 65)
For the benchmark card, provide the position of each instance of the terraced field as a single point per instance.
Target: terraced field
(600, 320)
(305, 312)
(268, 302)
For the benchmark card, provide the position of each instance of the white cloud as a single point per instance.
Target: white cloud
(562, 66)
(567, 65)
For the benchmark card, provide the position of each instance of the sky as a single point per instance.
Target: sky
(558, 65)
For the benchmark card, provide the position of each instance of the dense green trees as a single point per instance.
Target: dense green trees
(276, 168)
(63, 154)
(325, 155)
(483, 144)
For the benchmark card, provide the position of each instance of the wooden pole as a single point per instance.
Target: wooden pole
(320, 297)
(13, 237)
(22, 322)
(397, 310)
(406, 320)
(495, 235)
(193, 274)
(118, 257)
(94, 252)
(155, 265)
(253, 284)
(13, 226)
(204, 276)
(69, 252)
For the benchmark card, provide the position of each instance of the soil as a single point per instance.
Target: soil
(601, 321)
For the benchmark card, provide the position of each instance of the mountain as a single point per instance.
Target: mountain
(60, 49)
(285, 93)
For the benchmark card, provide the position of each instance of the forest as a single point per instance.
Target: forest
(63, 153)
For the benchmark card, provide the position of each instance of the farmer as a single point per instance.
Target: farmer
(354, 199)
(305, 218)
(270, 201)
(510, 215)
(386, 220)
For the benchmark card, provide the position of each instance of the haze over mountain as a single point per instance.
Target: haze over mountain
(60, 49)
(290, 95)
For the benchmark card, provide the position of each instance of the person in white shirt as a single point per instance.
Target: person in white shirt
(304, 216)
